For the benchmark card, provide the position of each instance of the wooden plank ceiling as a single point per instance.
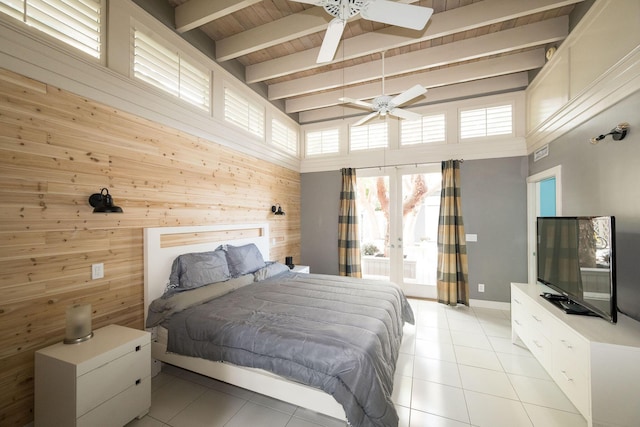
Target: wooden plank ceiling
(481, 44)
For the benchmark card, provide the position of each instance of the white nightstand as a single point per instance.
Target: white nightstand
(105, 381)
(301, 269)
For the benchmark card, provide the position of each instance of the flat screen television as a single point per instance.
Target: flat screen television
(576, 258)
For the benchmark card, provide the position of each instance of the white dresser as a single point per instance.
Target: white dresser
(104, 381)
(594, 362)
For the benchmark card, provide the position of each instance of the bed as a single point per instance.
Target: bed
(352, 360)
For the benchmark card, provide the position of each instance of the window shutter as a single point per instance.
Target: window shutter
(486, 122)
(427, 129)
(163, 67)
(323, 142)
(155, 64)
(239, 111)
(369, 136)
(283, 136)
(194, 84)
(77, 23)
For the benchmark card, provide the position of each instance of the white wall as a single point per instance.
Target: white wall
(597, 66)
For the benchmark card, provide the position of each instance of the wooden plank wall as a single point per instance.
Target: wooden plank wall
(56, 149)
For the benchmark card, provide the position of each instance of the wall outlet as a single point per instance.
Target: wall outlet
(97, 271)
(480, 287)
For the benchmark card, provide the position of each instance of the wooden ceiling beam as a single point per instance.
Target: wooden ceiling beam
(450, 22)
(301, 24)
(526, 36)
(477, 70)
(196, 13)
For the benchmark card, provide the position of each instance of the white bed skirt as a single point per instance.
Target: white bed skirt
(256, 380)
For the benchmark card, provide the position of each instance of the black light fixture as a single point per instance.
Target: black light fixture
(617, 133)
(277, 209)
(103, 202)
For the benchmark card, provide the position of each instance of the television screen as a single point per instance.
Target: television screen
(576, 257)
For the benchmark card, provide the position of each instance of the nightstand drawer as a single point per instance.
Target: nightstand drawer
(121, 408)
(112, 378)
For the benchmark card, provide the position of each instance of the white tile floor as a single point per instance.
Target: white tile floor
(457, 368)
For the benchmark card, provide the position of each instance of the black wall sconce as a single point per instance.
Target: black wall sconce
(617, 133)
(277, 209)
(103, 202)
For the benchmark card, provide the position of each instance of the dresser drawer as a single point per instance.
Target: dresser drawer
(541, 321)
(112, 378)
(540, 346)
(570, 348)
(573, 382)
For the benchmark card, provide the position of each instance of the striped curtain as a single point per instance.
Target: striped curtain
(348, 234)
(453, 286)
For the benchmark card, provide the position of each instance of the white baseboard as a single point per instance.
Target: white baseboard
(497, 305)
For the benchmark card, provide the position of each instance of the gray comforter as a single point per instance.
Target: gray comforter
(334, 333)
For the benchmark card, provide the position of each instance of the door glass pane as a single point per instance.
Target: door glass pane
(420, 211)
(548, 197)
(373, 210)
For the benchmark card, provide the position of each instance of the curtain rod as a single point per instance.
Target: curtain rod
(405, 164)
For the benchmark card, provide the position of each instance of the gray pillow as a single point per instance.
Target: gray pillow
(243, 259)
(193, 270)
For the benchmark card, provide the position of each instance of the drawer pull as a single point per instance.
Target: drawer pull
(537, 344)
(138, 381)
(516, 300)
(138, 348)
(517, 322)
(535, 318)
(566, 377)
(566, 344)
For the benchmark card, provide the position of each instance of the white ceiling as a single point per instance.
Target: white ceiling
(468, 48)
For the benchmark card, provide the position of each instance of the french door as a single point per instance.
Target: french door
(398, 209)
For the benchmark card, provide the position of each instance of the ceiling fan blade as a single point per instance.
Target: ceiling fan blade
(404, 114)
(314, 2)
(400, 14)
(357, 102)
(408, 95)
(365, 119)
(331, 40)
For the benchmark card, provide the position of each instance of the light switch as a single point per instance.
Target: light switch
(97, 271)
(472, 237)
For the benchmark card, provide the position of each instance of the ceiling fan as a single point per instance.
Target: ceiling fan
(386, 12)
(385, 104)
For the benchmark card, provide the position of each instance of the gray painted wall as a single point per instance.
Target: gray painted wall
(319, 211)
(494, 208)
(604, 179)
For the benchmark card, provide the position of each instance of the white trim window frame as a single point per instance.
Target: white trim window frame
(160, 64)
(79, 24)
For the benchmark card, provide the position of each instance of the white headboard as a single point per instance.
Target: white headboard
(163, 244)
